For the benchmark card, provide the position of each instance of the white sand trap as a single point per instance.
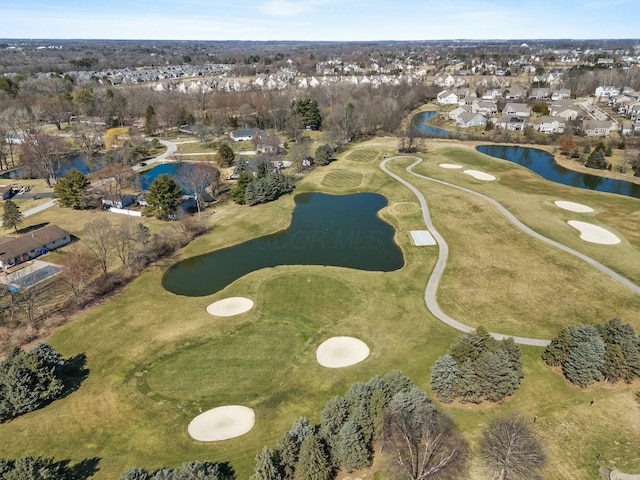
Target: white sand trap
(593, 233)
(422, 238)
(452, 166)
(573, 207)
(222, 423)
(480, 175)
(617, 475)
(230, 306)
(338, 352)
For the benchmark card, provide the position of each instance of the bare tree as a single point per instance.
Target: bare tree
(511, 450)
(197, 178)
(97, 238)
(79, 269)
(424, 443)
(41, 153)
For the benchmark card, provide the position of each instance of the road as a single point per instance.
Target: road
(430, 294)
(171, 149)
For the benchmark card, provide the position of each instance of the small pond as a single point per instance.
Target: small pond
(420, 122)
(174, 170)
(325, 229)
(543, 164)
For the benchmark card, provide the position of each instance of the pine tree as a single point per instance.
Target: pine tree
(444, 378)
(397, 381)
(614, 366)
(289, 446)
(332, 418)
(596, 160)
(226, 155)
(313, 463)
(71, 190)
(559, 349)
(584, 364)
(164, 196)
(266, 466)
(496, 378)
(11, 215)
(351, 450)
(468, 388)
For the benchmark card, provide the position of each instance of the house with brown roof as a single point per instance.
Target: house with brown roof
(15, 250)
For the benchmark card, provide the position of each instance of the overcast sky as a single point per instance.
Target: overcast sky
(319, 19)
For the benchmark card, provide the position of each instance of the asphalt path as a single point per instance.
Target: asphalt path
(430, 294)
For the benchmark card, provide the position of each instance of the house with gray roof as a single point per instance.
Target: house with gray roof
(16, 250)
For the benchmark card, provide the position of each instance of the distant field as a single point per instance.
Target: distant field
(156, 360)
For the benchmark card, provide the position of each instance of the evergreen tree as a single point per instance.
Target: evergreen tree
(71, 190)
(514, 353)
(378, 403)
(358, 398)
(596, 160)
(136, 474)
(239, 192)
(164, 196)
(11, 215)
(496, 377)
(444, 378)
(559, 349)
(614, 366)
(468, 388)
(27, 382)
(332, 418)
(289, 446)
(309, 111)
(266, 466)
(351, 450)
(313, 463)
(397, 382)
(324, 154)
(226, 155)
(585, 362)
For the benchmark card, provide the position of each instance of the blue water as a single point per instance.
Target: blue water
(419, 122)
(543, 164)
(342, 231)
(174, 170)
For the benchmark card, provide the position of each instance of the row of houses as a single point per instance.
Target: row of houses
(466, 95)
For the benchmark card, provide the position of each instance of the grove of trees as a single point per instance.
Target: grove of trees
(588, 354)
(32, 379)
(421, 442)
(477, 368)
(187, 471)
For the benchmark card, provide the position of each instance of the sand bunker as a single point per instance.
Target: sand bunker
(338, 352)
(617, 475)
(593, 233)
(573, 207)
(222, 423)
(450, 165)
(230, 306)
(480, 175)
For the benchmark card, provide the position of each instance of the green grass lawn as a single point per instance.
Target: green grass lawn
(157, 360)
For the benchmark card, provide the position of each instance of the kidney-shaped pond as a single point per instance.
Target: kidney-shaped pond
(342, 231)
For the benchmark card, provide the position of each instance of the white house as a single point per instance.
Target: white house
(456, 112)
(597, 128)
(549, 124)
(242, 135)
(447, 97)
(561, 94)
(517, 109)
(470, 119)
(510, 122)
(607, 91)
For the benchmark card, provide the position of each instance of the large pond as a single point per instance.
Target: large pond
(419, 121)
(325, 229)
(543, 164)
